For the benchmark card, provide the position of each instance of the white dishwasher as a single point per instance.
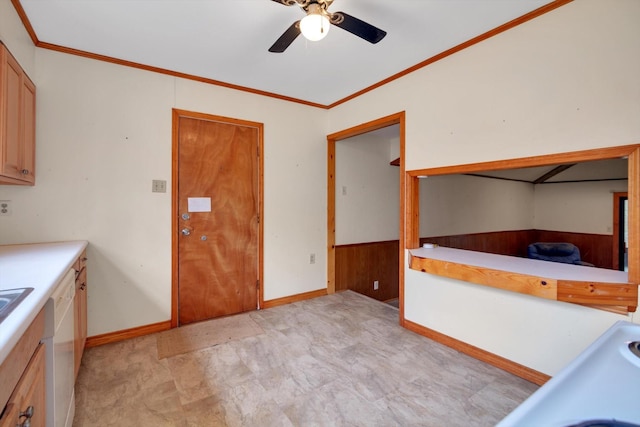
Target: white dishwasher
(59, 340)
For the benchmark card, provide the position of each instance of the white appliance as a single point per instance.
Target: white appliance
(600, 387)
(59, 340)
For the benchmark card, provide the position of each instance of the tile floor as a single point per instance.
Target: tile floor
(339, 360)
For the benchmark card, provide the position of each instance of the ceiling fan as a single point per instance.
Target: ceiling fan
(315, 25)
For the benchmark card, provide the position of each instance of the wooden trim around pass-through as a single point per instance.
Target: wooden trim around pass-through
(631, 152)
(514, 368)
(502, 28)
(525, 162)
(125, 334)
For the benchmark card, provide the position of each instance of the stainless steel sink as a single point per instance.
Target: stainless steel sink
(10, 299)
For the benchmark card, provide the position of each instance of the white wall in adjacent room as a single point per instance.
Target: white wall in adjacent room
(579, 207)
(461, 204)
(367, 190)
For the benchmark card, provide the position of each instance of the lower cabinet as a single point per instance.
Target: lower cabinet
(26, 406)
(80, 310)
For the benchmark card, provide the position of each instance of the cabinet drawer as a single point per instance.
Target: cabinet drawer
(16, 362)
(29, 395)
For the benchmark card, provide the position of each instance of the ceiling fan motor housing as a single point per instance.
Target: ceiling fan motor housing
(318, 9)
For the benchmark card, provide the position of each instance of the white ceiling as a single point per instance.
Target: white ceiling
(597, 170)
(227, 40)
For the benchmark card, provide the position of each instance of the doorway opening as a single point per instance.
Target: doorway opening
(370, 267)
(620, 231)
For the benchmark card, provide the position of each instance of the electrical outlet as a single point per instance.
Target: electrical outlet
(5, 207)
(376, 285)
(158, 186)
(312, 259)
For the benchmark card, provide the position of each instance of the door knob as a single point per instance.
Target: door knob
(186, 231)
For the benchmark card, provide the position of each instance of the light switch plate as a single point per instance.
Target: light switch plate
(159, 186)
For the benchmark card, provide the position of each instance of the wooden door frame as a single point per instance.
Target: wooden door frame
(616, 227)
(393, 119)
(175, 225)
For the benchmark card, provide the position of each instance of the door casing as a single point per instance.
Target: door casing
(393, 119)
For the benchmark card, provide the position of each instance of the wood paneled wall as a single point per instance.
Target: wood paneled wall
(512, 243)
(594, 248)
(358, 265)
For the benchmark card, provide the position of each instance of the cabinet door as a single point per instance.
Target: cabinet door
(28, 128)
(17, 122)
(11, 112)
(80, 310)
(29, 395)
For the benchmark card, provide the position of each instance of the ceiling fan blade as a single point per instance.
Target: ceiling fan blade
(286, 38)
(357, 27)
(286, 2)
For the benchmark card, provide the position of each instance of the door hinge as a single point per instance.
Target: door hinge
(258, 219)
(258, 284)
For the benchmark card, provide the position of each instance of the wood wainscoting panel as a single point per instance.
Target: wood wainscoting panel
(512, 243)
(359, 265)
(594, 248)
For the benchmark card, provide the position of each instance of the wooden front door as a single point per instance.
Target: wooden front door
(218, 206)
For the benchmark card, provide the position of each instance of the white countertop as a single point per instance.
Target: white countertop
(531, 267)
(39, 266)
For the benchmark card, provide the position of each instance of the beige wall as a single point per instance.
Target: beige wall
(104, 133)
(565, 81)
(562, 82)
(16, 38)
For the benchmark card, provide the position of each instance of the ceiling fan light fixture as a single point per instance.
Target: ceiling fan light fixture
(315, 25)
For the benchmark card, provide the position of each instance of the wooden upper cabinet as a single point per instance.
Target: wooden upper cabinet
(17, 122)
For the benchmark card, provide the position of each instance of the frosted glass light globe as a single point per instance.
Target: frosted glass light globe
(314, 26)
